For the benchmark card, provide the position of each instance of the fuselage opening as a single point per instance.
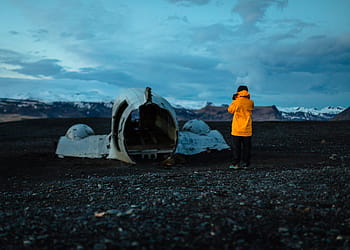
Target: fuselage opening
(150, 131)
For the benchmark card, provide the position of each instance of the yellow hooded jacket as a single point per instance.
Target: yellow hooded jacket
(242, 108)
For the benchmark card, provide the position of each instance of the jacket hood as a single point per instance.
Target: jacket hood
(243, 93)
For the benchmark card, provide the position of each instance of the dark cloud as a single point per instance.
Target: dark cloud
(111, 76)
(8, 56)
(290, 28)
(46, 67)
(316, 56)
(13, 32)
(320, 56)
(52, 68)
(294, 23)
(252, 11)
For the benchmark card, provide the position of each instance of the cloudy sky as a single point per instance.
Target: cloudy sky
(288, 52)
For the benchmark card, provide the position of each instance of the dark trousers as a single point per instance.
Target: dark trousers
(241, 149)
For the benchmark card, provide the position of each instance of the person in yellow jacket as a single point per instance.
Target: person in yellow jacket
(242, 129)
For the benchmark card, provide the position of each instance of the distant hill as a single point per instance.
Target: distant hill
(267, 113)
(37, 109)
(342, 116)
(207, 113)
(14, 109)
(219, 113)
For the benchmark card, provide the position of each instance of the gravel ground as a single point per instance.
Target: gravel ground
(296, 194)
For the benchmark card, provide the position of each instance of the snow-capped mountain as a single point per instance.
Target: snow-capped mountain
(301, 113)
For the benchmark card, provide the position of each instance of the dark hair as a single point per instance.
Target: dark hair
(242, 87)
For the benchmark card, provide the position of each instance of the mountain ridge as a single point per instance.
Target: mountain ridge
(15, 109)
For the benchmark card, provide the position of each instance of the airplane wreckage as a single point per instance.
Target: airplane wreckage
(143, 125)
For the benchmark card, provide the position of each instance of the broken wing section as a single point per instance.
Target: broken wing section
(81, 141)
(196, 137)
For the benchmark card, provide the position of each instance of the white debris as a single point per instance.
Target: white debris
(79, 131)
(90, 146)
(197, 137)
(197, 127)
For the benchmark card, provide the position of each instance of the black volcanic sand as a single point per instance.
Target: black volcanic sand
(296, 195)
